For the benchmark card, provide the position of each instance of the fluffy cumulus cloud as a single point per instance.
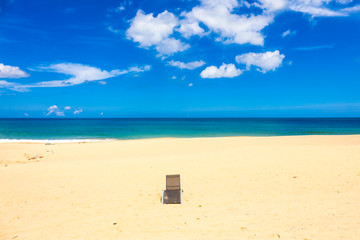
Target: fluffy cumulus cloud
(77, 111)
(189, 65)
(55, 110)
(60, 112)
(150, 31)
(267, 61)
(79, 74)
(224, 71)
(190, 27)
(219, 17)
(7, 71)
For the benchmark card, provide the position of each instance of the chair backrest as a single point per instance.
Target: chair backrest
(173, 182)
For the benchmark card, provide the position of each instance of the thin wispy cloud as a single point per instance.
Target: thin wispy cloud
(79, 74)
(189, 65)
(318, 47)
(350, 10)
(77, 111)
(288, 33)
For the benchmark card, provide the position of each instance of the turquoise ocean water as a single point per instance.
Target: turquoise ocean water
(70, 129)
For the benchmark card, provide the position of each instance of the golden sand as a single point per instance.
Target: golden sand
(301, 187)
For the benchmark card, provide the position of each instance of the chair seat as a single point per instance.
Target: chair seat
(172, 197)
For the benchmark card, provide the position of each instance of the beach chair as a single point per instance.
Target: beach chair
(173, 192)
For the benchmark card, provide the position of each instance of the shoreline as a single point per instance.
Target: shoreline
(90, 140)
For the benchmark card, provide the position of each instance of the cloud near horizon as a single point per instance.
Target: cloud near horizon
(60, 112)
(80, 74)
(54, 109)
(77, 111)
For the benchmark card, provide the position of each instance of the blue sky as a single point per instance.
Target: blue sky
(207, 58)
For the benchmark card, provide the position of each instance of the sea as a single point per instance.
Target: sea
(73, 130)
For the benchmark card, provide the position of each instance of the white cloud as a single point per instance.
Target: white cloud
(173, 77)
(272, 5)
(288, 33)
(315, 8)
(225, 70)
(54, 109)
(150, 31)
(79, 74)
(321, 8)
(67, 108)
(111, 29)
(170, 45)
(189, 27)
(218, 16)
(26, 115)
(189, 65)
(267, 61)
(7, 71)
(78, 111)
(101, 113)
(351, 9)
(315, 11)
(6, 84)
(119, 9)
(190, 84)
(12, 86)
(344, 1)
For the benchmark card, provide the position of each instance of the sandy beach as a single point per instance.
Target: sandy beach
(298, 187)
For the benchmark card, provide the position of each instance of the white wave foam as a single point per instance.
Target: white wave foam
(53, 141)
